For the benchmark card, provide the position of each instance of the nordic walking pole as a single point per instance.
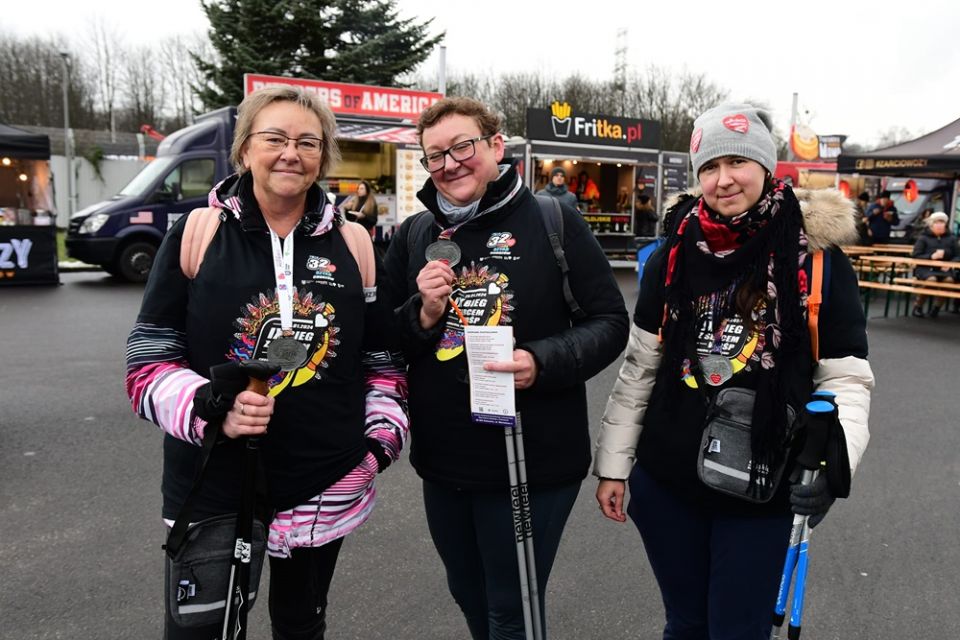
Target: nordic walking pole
(527, 515)
(518, 532)
(818, 412)
(238, 585)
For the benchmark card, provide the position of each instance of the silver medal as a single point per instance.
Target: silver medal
(716, 369)
(446, 250)
(287, 353)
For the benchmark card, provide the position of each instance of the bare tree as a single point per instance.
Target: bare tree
(31, 74)
(672, 99)
(180, 74)
(105, 52)
(143, 89)
(892, 136)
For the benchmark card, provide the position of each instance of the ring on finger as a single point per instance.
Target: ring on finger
(242, 407)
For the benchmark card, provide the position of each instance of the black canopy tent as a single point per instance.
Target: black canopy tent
(935, 155)
(17, 143)
(28, 250)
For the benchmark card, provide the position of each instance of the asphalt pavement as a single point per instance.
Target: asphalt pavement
(80, 530)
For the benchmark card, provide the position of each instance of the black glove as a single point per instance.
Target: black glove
(812, 500)
(383, 460)
(213, 400)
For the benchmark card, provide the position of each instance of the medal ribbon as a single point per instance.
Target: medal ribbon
(283, 273)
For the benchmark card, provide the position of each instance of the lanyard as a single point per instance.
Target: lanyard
(283, 273)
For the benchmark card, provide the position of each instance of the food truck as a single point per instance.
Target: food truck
(613, 165)
(28, 236)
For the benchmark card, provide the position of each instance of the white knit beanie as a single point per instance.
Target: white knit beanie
(732, 129)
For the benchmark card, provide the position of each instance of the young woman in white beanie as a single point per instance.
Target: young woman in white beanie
(723, 309)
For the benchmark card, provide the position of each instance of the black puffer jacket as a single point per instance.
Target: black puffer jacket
(508, 276)
(927, 244)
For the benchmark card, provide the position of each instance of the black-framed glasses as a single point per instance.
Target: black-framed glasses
(463, 150)
(306, 145)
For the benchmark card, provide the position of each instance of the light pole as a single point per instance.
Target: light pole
(67, 147)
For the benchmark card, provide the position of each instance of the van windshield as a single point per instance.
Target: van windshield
(147, 176)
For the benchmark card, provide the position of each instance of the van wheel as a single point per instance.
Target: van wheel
(135, 261)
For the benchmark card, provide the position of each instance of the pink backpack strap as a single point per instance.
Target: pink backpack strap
(361, 246)
(201, 226)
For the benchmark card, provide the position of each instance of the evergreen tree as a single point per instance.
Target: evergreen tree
(360, 41)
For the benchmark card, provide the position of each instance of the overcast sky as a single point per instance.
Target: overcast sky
(859, 69)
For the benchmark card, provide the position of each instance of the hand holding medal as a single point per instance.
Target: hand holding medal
(435, 284)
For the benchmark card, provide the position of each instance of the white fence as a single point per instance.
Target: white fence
(88, 188)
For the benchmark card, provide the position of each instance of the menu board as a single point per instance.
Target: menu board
(410, 179)
(675, 173)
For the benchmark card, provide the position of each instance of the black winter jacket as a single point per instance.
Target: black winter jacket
(507, 275)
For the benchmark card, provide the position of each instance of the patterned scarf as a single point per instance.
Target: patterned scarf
(710, 259)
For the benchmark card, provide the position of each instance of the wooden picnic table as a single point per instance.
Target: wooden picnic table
(877, 264)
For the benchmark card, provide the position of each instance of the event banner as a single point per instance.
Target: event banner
(560, 123)
(354, 99)
(28, 255)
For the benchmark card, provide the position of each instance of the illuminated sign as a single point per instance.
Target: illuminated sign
(562, 124)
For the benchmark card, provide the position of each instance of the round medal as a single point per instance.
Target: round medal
(287, 353)
(443, 250)
(716, 369)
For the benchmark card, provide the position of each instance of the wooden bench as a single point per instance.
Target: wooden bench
(936, 284)
(910, 290)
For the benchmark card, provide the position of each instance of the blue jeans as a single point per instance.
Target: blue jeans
(473, 533)
(718, 574)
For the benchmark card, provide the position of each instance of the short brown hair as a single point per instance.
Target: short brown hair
(487, 120)
(254, 103)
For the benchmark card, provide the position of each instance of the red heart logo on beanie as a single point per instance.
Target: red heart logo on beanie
(695, 140)
(737, 123)
(715, 378)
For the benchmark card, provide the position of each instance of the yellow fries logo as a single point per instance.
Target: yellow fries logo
(561, 119)
(561, 111)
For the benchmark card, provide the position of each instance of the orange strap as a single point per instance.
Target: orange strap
(814, 300)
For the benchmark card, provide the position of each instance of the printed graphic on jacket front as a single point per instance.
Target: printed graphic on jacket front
(733, 342)
(313, 327)
(483, 296)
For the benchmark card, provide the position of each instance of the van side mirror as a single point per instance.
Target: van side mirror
(166, 197)
(162, 197)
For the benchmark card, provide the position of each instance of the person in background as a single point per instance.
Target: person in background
(586, 191)
(864, 235)
(645, 217)
(506, 275)
(336, 412)
(362, 206)
(722, 308)
(935, 243)
(882, 216)
(557, 188)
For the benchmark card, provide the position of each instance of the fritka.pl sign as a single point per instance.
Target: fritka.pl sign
(560, 123)
(353, 99)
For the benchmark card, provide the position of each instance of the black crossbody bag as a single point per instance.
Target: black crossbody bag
(201, 555)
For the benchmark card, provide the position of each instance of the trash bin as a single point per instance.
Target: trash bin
(644, 252)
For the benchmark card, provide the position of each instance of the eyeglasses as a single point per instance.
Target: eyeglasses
(459, 152)
(309, 146)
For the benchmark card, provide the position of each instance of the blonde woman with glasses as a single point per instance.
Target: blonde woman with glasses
(278, 281)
